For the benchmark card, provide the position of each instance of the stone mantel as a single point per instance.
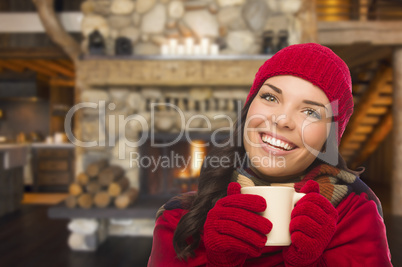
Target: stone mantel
(218, 70)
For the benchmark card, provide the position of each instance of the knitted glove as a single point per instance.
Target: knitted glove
(313, 223)
(233, 231)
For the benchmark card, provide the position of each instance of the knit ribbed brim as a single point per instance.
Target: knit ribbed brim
(318, 65)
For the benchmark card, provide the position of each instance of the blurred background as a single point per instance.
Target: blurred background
(87, 88)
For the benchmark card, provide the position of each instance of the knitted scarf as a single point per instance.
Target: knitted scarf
(335, 184)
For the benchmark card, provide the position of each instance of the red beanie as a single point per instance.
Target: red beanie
(320, 66)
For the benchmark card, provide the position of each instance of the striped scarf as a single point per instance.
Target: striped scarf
(335, 184)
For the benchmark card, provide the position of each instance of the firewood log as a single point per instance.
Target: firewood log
(83, 226)
(75, 189)
(78, 241)
(110, 174)
(127, 198)
(82, 178)
(95, 168)
(102, 199)
(85, 201)
(119, 186)
(93, 187)
(71, 201)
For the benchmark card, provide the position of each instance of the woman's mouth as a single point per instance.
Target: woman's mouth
(277, 143)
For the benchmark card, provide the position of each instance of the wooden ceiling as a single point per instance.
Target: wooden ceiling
(51, 65)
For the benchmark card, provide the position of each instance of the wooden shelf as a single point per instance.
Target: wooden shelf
(145, 207)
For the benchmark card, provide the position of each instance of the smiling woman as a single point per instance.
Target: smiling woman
(295, 114)
(289, 122)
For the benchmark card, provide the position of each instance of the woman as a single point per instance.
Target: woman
(291, 125)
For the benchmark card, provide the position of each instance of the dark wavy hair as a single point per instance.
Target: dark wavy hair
(212, 186)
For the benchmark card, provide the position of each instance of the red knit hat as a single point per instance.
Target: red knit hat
(320, 66)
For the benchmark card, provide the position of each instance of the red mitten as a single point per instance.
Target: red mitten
(313, 223)
(233, 230)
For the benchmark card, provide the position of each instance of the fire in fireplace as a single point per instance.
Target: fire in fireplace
(168, 170)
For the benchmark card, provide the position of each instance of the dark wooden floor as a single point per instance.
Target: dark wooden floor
(28, 238)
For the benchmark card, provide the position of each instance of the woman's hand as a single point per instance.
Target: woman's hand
(313, 223)
(233, 231)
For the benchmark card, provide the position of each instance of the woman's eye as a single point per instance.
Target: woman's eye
(313, 113)
(269, 97)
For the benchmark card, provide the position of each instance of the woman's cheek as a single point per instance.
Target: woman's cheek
(314, 135)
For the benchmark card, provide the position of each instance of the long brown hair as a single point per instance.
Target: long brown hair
(212, 186)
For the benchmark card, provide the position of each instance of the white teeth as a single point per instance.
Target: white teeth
(275, 142)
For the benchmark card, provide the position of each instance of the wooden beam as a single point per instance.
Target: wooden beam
(349, 32)
(374, 53)
(66, 63)
(370, 120)
(352, 146)
(396, 182)
(387, 89)
(362, 129)
(377, 110)
(31, 65)
(32, 53)
(384, 100)
(374, 140)
(59, 82)
(7, 64)
(359, 138)
(381, 79)
(347, 152)
(53, 66)
(55, 29)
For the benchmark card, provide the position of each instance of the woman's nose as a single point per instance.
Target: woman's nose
(284, 120)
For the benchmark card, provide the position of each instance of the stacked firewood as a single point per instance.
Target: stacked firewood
(101, 185)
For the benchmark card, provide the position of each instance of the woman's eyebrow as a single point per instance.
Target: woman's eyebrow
(276, 89)
(314, 103)
(279, 91)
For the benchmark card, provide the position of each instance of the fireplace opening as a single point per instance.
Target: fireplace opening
(172, 169)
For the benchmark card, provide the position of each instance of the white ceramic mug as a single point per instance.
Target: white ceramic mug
(280, 202)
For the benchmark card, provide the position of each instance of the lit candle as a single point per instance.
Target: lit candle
(164, 49)
(204, 46)
(189, 44)
(197, 50)
(214, 49)
(180, 50)
(172, 46)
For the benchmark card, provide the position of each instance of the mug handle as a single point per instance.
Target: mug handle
(297, 197)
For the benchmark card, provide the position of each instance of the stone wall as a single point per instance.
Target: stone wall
(237, 26)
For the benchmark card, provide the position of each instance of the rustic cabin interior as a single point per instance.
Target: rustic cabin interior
(73, 71)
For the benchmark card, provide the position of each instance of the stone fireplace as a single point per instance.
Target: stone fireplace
(138, 112)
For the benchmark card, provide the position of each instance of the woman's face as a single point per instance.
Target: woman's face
(286, 127)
